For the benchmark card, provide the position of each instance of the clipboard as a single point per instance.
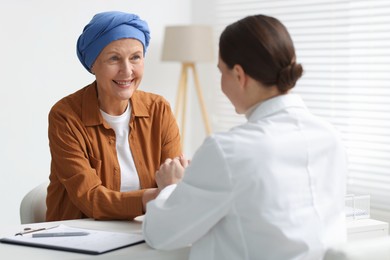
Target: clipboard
(96, 242)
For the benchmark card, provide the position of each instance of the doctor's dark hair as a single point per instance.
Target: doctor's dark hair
(264, 49)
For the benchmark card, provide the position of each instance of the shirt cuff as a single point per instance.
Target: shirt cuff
(166, 192)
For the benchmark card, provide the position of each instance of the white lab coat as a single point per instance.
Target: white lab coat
(272, 188)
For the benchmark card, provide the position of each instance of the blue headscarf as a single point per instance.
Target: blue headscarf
(107, 27)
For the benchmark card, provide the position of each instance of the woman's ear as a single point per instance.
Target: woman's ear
(240, 75)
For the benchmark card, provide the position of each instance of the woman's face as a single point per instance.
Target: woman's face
(230, 85)
(118, 69)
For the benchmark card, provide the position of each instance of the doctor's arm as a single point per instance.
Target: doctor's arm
(181, 215)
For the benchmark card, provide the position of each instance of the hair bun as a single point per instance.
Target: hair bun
(288, 76)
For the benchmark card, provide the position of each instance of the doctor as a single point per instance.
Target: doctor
(272, 188)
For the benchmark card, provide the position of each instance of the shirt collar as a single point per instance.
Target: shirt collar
(90, 107)
(273, 105)
(139, 107)
(91, 112)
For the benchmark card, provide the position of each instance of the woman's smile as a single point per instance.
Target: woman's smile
(123, 83)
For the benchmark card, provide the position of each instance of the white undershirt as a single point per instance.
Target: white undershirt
(120, 124)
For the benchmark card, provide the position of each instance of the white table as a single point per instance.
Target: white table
(359, 229)
(366, 228)
(140, 251)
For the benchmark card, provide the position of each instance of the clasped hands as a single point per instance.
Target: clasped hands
(171, 171)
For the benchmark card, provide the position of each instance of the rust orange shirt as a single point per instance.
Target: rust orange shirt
(85, 172)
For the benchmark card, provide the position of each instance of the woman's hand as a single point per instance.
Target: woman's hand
(149, 194)
(171, 171)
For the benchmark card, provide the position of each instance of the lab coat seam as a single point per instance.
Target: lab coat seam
(240, 229)
(227, 166)
(307, 167)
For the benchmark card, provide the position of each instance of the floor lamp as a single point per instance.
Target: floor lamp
(188, 44)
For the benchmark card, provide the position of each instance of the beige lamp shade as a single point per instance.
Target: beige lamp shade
(188, 43)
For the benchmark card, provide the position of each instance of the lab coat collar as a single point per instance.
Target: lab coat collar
(273, 105)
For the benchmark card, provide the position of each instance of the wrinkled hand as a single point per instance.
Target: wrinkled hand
(171, 171)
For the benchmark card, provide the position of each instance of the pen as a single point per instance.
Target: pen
(29, 230)
(60, 234)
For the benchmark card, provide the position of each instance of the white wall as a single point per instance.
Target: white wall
(203, 12)
(39, 66)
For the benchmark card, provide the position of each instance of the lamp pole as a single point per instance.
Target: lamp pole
(188, 44)
(181, 97)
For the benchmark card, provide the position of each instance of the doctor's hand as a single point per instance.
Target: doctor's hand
(171, 172)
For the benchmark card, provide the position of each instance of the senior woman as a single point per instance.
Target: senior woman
(108, 139)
